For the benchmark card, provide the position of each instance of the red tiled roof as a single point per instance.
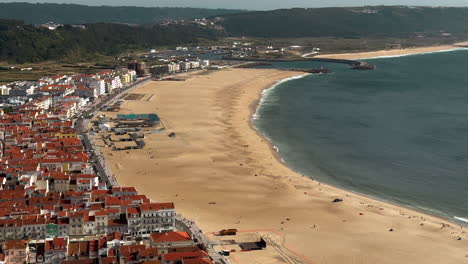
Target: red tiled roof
(55, 87)
(60, 243)
(143, 252)
(198, 261)
(170, 237)
(78, 248)
(156, 206)
(109, 260)
(80, 261)
(106, 212)
(133, 211)
(184, 255)
(114, 236)
(99, 192)
(15, 244)
(124, 189)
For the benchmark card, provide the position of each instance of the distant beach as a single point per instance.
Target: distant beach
(394, 52)
(222, 174)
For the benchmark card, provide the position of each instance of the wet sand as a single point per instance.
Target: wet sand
(393, 52)
(222, 174)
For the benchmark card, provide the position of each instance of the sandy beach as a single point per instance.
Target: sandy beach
(222, 174)
(393, 52)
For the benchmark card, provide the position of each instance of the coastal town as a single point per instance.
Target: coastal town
(167, 135)
(57, 203)
(63, 137)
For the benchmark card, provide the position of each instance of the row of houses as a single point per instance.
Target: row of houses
(54, 209)
(175, 67)
(86, 86)
(163, 248)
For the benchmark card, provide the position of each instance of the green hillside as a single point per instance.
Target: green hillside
(27, 43)
(81, 14)
(382, 21)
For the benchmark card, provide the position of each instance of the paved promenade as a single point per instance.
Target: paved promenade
(192, 228)
(105, 173)
(99, 163)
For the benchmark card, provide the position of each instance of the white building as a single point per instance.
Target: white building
(194, 64)
(184, 66)
(173, 67)
(151, 218)
(21, 90)
(205, 63)
(4, 90)
(85, 92)
(33, 229)
(30, 90)
(116, 83)
(81, 102)
(89, 226)
(98, 85)
(44, 102)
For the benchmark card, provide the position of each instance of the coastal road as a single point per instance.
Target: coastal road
(105, 174)
(192, 228)
(81, 124)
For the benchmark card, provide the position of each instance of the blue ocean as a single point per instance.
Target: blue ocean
(397, 133)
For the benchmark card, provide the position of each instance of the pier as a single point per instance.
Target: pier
(355, 64)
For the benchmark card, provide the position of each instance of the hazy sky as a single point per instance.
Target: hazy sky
(256, 4)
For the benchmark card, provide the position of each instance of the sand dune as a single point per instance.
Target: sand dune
(222, 174)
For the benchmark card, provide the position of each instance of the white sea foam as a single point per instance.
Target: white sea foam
(276, 148)
(413, 54)
(461, 219)
(267, 91)
(262, 100)
(264, 97)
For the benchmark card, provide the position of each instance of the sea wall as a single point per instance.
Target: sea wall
(356, 64)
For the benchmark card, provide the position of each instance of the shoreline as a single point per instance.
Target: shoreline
(221, 173)
(394, 53)
(254, 107)
(413, 54)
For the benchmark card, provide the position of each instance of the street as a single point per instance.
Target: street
(192, 228)
(105, 174)
(99, 163)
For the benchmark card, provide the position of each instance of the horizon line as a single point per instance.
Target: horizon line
(240, 9)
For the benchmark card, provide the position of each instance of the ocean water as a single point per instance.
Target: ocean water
(398, 133)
